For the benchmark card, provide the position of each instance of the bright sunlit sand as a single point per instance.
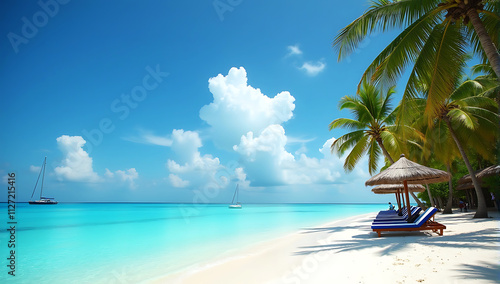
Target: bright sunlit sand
(347, 251)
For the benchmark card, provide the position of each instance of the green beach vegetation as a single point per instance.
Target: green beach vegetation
(442, 119)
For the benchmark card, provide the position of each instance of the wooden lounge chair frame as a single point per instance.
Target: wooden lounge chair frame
(428, 225)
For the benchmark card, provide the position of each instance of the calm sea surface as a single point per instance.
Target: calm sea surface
(128, 243)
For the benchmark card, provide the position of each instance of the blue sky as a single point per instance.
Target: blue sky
(178, 101)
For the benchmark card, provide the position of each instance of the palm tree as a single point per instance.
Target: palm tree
(373, 130)
(469, 110)
(437, 146)
(435, 36)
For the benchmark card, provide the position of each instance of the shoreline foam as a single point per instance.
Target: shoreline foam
(347, 251)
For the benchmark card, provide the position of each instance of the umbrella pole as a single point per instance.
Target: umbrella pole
(402, 198)
(398, 199)
(407, 199)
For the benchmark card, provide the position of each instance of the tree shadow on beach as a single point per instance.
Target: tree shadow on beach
(461, 217)
(392, 242)
(484, 270)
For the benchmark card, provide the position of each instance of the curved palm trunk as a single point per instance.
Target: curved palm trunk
(386, 154)
(433, 204)
(488, 46)
(447, 210)
(481, 211)
(420, 204)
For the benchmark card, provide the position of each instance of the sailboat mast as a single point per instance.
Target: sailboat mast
(235, 194)
(43, 176)
(34, 189)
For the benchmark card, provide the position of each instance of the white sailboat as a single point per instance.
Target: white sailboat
(236, 205)
(42, 200)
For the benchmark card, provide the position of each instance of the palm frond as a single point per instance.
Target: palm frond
(438, 65)
(356, 153)
(460, 117)
(346, 123)
(466, 89)
(383, 15)
(478, 101)
(402, 51)
(374, 153)
(385, 109)
(346, 141)
(392, 143)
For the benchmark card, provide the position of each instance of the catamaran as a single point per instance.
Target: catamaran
(236, 205)
(42, 200)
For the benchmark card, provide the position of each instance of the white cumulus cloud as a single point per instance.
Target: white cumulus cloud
(238, 108)
(76, 165)
(265, 156)
(176, 181)
(267, 162)
(189, 167)
(128, 176)
(313, 68)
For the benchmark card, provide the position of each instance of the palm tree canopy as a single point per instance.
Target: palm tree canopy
(472, 113)
(436, 35)
(372, 127)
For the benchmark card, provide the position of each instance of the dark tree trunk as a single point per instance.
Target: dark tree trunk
(420, 204)
(485, 39)
(431, 199)
(386, 154)
(481, 211)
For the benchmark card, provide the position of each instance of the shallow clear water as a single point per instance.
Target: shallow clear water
(127, 243)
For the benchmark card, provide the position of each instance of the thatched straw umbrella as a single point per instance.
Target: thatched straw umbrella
(467, 179)
(397, 190)
(408, 172)
(465, 186)
(465, 182)
(489, 171)
(393, 188)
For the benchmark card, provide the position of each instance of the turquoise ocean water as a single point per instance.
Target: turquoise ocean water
(130, 243)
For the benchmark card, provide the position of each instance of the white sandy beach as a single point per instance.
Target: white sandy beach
(347, 251)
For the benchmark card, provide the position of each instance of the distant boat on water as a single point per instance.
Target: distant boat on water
(236, 205)
(42, 200)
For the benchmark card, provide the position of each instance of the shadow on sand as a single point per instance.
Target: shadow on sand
(485, 270)
(393, 242)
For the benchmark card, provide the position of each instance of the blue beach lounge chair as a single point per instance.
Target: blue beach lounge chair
(422, 223)
(414, 212)
(393, 212)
